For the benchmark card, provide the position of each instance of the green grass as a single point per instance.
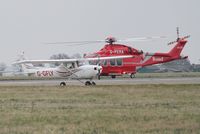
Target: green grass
(155, 109)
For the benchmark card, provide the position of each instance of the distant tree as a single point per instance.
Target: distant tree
(64, 56)
(77, 55)
(60, 56)
(182, 65)
(2, 66)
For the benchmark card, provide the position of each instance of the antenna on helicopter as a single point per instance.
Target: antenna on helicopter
(177, 31)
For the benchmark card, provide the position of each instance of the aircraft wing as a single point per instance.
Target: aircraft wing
(72, 60)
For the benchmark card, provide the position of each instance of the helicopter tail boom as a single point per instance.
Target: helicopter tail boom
(173, 54)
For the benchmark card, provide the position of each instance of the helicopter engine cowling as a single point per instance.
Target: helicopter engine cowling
(140, 52)
(137, 52)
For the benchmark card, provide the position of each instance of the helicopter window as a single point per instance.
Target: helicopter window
(119, 62)
(104, 63)
(90, 62)
(112, 62)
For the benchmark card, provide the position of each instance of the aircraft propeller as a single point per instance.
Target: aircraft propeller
(99, 73)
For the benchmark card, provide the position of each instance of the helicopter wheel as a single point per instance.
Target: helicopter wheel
(113, 76)
(99, 77)
(88, 83)
(62, 84)
(132, 75)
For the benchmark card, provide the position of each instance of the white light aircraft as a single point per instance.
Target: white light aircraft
(75, 69)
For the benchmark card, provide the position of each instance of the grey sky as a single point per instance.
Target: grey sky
(26, 24)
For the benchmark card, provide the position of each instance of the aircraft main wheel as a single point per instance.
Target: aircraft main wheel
(132, 75)
(93, 83)
(62, 84)
(88, 83)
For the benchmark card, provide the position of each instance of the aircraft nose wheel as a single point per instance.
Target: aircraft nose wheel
(62, 84)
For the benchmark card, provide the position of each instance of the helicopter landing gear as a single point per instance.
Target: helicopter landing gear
(62, 84)
(132, 75)
(88, 83)
(113, 76)
(99, 77)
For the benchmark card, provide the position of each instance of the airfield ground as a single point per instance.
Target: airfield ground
(113, 109)
(138, 75)
(141, 78)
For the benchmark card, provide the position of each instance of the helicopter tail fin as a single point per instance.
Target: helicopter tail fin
(176, 51)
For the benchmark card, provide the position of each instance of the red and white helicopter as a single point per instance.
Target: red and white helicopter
(115, 67)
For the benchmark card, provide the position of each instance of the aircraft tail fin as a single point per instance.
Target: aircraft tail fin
(180, 43)
(177, 49)
(24, 66)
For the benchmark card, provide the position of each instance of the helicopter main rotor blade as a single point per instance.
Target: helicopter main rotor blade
(111, 39)
(75, 42)
(135, 39)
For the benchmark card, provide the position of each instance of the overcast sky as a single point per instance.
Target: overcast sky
(26, 24)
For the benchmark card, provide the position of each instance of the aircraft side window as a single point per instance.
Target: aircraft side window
(69, 65)
(112, 62)
(93, 62)
(119, 62)
(73, 65)
(105, 62)
(90, 62)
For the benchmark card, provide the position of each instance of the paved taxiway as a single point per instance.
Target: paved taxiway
(117, 81)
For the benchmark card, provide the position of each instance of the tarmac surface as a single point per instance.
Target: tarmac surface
(117, 81)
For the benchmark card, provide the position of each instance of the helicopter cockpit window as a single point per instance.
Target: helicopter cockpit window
(112, 62)
(129, 50)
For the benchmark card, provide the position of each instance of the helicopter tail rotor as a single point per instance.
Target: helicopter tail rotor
(178, 37)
